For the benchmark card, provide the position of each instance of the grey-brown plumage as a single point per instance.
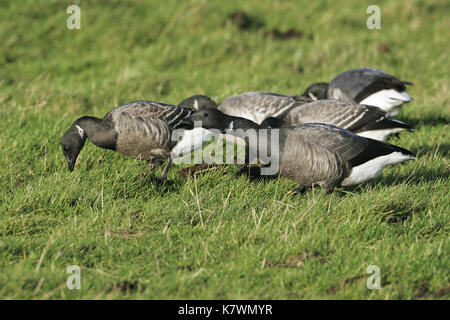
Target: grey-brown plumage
(314, 153)
(357, 84)
(368, 121)
(140, 129)
(367, 86)
(144, 128)
(257, 106)
(328, 156)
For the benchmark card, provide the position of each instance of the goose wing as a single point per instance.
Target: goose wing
(257, 106)
(174, 116)
(312, 154)
(354, 149)
(341, 141)
(341, 114)
(144, 128)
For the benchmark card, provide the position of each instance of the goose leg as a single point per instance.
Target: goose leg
(150, 167)
(329, 189)
(300, 190)
(165, 170)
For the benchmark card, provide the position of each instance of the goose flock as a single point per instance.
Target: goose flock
(332, 135)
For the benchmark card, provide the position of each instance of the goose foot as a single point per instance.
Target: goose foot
(329, 190)
(299, 190)
(160, 180)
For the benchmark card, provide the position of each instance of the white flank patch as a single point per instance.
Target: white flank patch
(390, 100)
(80, 131)
(372, 169)
(380, 135)
(192, 140)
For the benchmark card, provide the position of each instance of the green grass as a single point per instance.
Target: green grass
(215, 235)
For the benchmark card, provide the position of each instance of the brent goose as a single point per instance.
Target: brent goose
(141, 130)
(367, 121)
(365, 86)
(315, 153)
(254, 106)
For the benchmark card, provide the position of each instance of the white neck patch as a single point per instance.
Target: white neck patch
(312, 96)
(80, 131)
(196, 104)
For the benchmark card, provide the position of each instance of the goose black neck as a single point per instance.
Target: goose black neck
(90, 125)
(100, 132)
(234, 123)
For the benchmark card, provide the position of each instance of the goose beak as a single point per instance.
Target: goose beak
(71, 165)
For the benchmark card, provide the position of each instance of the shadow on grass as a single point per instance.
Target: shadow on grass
(441, 149)
(146, 187)
(415, 177)
(253, 173)
(417, 123)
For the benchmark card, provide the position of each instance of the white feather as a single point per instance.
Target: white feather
(190, 141)
(80, 131)
(390, 100)
(195, 104)
(372, 168)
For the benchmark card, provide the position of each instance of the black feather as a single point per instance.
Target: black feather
(381, 83)
(375, 149)
(386, 123)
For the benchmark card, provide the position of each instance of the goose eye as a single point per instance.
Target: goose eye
(205, 114)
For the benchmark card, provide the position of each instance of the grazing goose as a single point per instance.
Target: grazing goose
(257, 106)
(365, 86)
(140, 129)
(315, 153)
(367, 121)
(254, 106)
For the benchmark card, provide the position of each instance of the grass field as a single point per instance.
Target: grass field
(214, 235)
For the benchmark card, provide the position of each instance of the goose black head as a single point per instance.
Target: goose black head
(198, 102)
(211, 118)
(72, 142)
(317, 91)
(272, 122)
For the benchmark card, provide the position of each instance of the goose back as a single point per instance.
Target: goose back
(357, 84)
(257, 106)
(345, 115)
